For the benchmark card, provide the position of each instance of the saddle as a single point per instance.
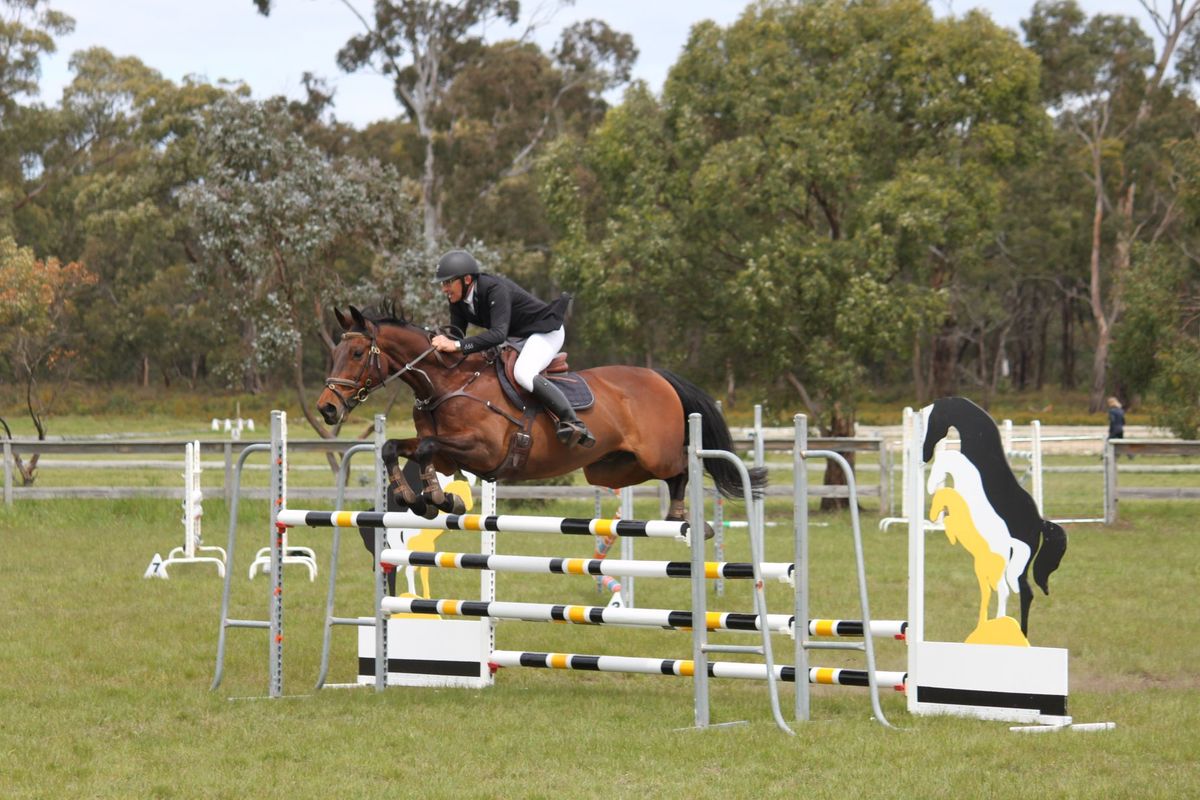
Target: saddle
(572, 384)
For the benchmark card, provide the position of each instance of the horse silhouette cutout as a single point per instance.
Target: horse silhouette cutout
(980, 443)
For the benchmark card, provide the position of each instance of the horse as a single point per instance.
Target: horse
(980, 443)
(465, 421)
(990, 525)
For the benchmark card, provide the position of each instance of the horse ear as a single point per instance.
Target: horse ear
(341, 318)
(358, 317)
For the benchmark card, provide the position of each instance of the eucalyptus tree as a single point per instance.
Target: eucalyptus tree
(1156, 347)
(27, 31)
(820, 179)
(115, 152)
(477, 113)
(284, 232)
(1112, 90)
(40, 332)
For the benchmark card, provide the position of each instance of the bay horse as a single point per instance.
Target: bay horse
(465, 421)
(980, 443)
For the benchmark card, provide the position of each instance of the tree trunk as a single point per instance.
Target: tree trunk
(1067, 344)
(840, 424)
(730, 384)
(1043, 339)
(918, 373)
(249, 374)
(943, 382)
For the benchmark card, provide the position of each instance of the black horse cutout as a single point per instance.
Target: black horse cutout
(982, 446)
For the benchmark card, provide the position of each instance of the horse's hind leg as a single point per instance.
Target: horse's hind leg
(677, 488)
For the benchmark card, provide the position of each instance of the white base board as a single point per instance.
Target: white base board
(429, 651)
(997, 682)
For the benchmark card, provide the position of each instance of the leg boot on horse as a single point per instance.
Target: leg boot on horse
(571, 430)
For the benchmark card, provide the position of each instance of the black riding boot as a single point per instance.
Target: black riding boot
(571, 430)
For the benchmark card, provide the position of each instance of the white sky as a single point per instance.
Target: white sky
(229, 39)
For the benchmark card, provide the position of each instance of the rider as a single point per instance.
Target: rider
(509, 313)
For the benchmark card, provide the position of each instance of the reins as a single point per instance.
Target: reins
(362, 386)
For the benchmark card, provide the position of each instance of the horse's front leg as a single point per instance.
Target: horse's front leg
(433, 493)
(399, 487)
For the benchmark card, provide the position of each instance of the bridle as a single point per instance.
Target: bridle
(363, 385)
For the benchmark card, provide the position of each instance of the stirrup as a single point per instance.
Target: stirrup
(573, 432)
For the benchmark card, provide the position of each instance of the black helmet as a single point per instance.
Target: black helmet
(456, 264)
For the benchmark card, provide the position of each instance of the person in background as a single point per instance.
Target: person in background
(1116, 419)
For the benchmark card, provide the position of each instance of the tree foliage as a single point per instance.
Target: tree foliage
(279, 225)
(39, 328)
(824, 170)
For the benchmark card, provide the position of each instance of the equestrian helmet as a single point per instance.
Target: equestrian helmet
(456, 264)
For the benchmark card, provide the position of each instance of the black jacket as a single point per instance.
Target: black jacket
(1116, 423)
(507, 312)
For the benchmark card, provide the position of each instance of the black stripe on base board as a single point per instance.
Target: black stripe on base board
(1050, 704)
(420, 666)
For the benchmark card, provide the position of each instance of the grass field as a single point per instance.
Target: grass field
(104, 676)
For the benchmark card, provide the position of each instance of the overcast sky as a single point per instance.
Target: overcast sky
(228, 39)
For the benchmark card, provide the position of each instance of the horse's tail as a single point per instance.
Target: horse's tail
(715, 436)
(1050, 554)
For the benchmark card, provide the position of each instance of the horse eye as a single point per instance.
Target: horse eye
(356, 353)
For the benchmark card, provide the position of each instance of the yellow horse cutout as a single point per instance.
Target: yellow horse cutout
(425, 539)
(989, 567)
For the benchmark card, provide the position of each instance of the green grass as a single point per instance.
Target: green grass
(104, 676)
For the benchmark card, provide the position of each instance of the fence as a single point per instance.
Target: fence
(229, 450)
(1115, 448)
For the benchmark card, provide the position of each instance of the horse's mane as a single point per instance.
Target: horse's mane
(386, 313)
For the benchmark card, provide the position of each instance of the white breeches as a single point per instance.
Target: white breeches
(537, 353)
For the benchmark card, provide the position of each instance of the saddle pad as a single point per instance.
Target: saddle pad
(575, 388)
(572, 385)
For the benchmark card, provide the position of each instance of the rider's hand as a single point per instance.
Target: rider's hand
(444, 344)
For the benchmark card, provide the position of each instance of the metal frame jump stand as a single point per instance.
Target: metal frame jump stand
(277, 496)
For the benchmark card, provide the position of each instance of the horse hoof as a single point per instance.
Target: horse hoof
(420, 508)
(708, 529)
(454, 505)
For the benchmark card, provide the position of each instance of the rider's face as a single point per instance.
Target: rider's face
(455, 289)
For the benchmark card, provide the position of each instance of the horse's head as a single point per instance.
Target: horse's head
(974, 425)
(358, 367)
(372, 351)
